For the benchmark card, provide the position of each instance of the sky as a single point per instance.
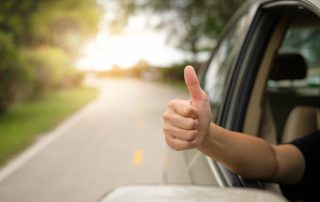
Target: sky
(136, 42)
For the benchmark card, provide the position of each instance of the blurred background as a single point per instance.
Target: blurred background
(83, 85)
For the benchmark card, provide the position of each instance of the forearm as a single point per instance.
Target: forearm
(245, 155)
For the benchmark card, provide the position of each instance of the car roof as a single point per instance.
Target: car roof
(314, 3)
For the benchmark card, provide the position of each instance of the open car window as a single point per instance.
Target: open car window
(304, 40)
(297, 82)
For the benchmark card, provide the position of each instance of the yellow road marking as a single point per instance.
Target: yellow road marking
(137, 157)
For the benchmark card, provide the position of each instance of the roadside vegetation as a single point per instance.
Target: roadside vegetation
(38, 46)
(169, 75)
(39, 85)
(26, 121)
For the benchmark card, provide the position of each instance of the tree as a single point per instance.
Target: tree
(33, 23)
(12, 76)
(38, 40)
(193, 24)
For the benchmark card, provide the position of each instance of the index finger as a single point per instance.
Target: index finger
(183, 108)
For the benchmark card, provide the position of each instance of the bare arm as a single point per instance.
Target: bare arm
(252, 157)
(187, 124)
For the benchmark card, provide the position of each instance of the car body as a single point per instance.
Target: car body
(266, 64)
(161, 193)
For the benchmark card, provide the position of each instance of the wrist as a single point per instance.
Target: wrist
(208, 142)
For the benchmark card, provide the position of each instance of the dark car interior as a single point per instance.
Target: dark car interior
(291, 67)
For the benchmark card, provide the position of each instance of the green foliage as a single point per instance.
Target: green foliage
(44, 21)
(47, 67)
(193, 24)
(136, 71)
(175, 72)
(12, 75)
(25, 121)
(38, 40)
(15, 18)
(65, 24)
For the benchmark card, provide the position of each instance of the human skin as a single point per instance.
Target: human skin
(188, 124)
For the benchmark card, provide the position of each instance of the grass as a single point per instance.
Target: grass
(24, 122)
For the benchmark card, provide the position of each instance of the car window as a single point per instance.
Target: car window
(298, 84)
(304, 40)
(219, 68)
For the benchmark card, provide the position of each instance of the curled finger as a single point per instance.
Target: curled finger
(178, 144)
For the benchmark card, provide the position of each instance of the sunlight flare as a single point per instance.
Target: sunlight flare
(126, 49)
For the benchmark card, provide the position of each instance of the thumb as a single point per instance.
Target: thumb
(191, 79)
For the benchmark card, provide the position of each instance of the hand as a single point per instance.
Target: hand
(186, 122)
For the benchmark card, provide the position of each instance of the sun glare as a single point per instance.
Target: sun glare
(124, 51)
(105, 51)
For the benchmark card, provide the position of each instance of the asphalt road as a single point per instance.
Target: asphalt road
(115, 140)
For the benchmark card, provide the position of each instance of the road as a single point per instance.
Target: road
(115, 140)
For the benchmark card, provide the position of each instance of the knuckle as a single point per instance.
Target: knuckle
(189, 125)
(188, 111)
(172, 103)
(166, 116)
(194, 142)
(170, 142)
(192, 124)
(178, 146)
(167, 139)
(181, 146)
(195, 124)
(166, 130)
(191, 135)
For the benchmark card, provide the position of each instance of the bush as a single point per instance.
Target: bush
(175, 72)
(12, 75)
(49, 68)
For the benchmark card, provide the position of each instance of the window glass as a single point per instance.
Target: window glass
(304, 40)
(295, 80)
(215, 80)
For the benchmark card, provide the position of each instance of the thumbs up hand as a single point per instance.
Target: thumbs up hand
(186, 122)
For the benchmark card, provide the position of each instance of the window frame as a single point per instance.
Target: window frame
(227, 178)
